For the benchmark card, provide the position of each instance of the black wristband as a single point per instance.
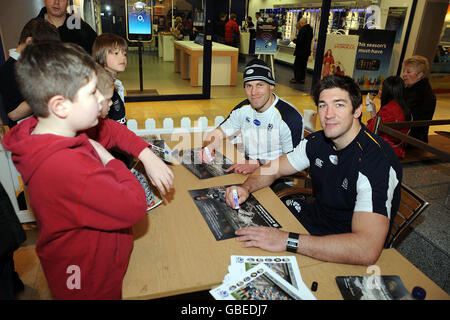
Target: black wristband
(292, 242)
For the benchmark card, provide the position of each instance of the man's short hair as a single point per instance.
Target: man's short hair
(342, 82)
(49, 68)
(39, 30)
(106, 43)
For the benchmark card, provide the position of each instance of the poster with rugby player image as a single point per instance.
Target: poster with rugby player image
(222, 220)
(190, 159)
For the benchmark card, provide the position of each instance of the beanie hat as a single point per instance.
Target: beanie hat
(258, 70)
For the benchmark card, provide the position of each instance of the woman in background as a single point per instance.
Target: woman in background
(393, 109)
(418, 93)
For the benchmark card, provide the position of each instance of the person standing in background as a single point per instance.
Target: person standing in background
(419, 95)
(220, 28)
(302, 50)
(71, 28)
(232, 31)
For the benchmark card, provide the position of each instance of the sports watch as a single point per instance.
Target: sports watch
(292, 242)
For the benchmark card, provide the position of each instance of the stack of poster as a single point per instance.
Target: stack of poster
(223, 220)
(263, 278)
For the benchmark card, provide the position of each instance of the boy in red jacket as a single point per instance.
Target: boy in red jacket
(84, 200)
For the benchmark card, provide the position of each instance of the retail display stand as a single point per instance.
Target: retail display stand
(141, 90)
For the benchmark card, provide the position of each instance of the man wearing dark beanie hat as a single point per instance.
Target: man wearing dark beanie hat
(269, 126)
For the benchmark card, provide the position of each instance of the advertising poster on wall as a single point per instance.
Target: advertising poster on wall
(395, 21)
(373, 57)
(266, 38)
(339, 56)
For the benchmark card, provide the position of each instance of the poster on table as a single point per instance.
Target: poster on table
(222, 220)
(373, 57)
(266, 38)
(339, 56)
(395, 21)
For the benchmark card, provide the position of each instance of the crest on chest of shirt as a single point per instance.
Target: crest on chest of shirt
(247, 119)
(270, 127)
(333, 159)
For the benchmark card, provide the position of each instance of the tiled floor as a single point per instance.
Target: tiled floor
(223, 100)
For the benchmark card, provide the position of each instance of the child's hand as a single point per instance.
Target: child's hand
(104, 155)
(159, 173)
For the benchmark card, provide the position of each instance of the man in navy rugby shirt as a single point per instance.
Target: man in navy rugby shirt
(268, 125)
(356, 181)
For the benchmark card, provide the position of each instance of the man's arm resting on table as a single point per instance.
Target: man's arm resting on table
(362, 246)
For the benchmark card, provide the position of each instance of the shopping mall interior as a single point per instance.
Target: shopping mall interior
(159, 83)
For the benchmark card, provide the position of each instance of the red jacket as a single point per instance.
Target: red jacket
(230, 27)
(84, 210)
(391, 112)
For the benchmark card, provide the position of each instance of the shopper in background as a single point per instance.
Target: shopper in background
(258, 18)
(71, 28)
(16, 107)
(419, 96)
(232, 31)
(393, 109)
(249, 25)
(302, 50)
(220, 28)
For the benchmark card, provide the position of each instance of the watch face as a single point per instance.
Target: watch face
(291, 243)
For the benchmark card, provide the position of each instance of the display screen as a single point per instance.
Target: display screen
(139, 18)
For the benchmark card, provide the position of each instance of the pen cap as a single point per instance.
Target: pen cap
(419, 293)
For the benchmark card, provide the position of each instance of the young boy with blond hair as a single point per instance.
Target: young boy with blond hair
(84, 200)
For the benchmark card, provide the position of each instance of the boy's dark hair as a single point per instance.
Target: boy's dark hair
(39, 30)
(49, 68)
(342, 82)
(106, 43)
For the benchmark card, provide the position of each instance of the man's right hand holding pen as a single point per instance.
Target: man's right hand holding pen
(242, 195)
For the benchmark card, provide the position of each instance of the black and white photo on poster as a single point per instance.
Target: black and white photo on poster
(190, 158)
(373, 287)
(222, 220)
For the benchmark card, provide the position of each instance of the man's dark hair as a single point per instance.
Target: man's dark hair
(342, 82)
(49, 68)
(39, 30)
